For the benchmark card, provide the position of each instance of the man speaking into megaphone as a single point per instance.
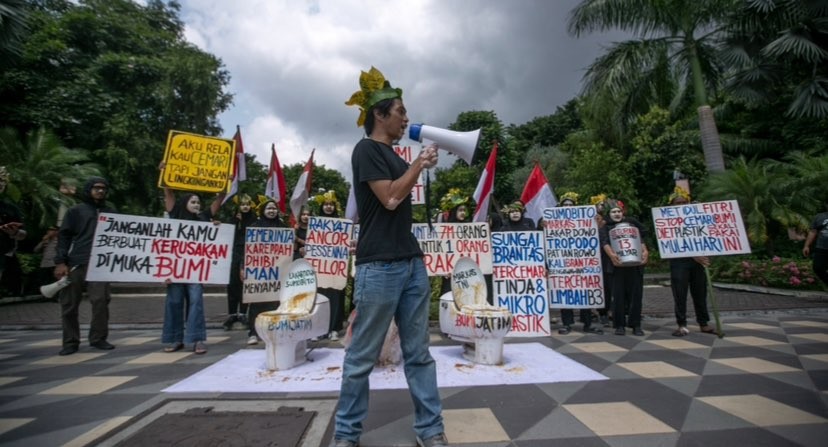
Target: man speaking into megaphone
(391, 278)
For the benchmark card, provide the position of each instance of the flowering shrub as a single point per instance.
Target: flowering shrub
(775, 272)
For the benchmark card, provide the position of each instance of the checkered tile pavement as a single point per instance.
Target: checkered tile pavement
(764, 383)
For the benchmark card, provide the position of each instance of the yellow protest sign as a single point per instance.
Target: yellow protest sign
(197, 163)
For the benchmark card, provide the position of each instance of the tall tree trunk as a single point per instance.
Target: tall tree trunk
(711, 145)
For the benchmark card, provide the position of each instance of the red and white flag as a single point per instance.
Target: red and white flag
(275, 187)
(537, 195)
(351, 211)
(483, 192)
(239, 167)
(301, 191)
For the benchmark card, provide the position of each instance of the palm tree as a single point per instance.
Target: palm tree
(38, 164)
(780, 48)
(13, 27)
(676, 40)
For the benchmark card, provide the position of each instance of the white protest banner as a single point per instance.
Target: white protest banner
(327, 248)
(149, 249)
(450, 241)
(700, 229)
(519, 281)
(268, 251)
(406, 152)
(573, 258)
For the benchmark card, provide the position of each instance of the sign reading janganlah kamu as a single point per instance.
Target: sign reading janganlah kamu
(197, 163)
(149, 249)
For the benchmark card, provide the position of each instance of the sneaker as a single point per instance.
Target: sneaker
(620, 330)
(434, 441)
(637, 331)
(228, 323)
(564, 330)
(253, 340)
(343, 443)
(590, 329)
(333, 336)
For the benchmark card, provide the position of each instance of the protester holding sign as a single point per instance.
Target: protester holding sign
(514, 218)
(244, 215)
(187, 207)
(75, 239)
(455, 205)
(269, 218)
(568, 315)
(329, 207)
(391, 280)
(628, 277)
(688, 274)
(301, 232)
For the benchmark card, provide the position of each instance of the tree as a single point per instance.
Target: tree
(114, 77)
(323, 179)
(13, 27)
(596, 169)
(676, 40)
(38, 164)
(779, 48)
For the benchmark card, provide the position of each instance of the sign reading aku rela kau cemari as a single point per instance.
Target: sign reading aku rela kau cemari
(149, 249)
(700, 229)
(197, 163)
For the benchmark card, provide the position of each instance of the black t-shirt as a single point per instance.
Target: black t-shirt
(384, 234)
(820, 224)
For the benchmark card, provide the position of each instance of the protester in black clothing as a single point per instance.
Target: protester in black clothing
(819, 234)
(74, 249)
(269, 218)
(456, 206)
(628, 280)
(514, 218)
(245, 214)
(301, 232)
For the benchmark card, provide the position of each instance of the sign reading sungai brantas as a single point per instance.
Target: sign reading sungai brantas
(197, 163)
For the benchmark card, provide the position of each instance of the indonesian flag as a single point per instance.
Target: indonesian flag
(351, 211)
(483, 192)
(239, 167)
(275, 187)
(301, 191)
(537, 195)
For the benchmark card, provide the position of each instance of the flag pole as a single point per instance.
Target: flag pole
(713, 303)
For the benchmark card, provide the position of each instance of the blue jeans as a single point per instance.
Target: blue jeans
(173, 331)
(382, 291)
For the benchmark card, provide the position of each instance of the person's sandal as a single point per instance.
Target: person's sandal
(680, 332)
(200, 348)
(172, 347)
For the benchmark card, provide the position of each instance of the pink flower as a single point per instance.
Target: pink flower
(776, 259)
(810, 280)
(795, 281)
(746, 264)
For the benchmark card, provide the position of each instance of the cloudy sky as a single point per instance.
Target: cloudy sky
(293, 64)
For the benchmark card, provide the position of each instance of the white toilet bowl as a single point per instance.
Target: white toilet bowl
(302, 315)
(466, 316)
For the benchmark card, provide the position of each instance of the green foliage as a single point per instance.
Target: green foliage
(38, 163)
(777, 272)
(323, 179)
(114, 77)
(13, 27)
(596, 169)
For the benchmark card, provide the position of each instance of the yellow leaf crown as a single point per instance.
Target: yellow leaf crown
(571, 196)
(373, 88)
(453, 199)
(679, 192)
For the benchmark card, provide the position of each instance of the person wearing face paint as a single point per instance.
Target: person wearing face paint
(175, 332)
(627, 280)
(245, 214)
(456, 207)
(268, 218)
(301, 232)
(74, 249)
(514, 218)
(391, 280)
(329, 207)
(568, 315)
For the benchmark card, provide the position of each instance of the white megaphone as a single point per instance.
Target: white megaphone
(461, 144)
(50, 290)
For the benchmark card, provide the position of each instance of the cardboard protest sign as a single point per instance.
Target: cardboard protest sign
(406, 152)
(519, 281)
(450, 241)
(197, 163)
(573, 258)
(268, 252)
(700, 229)
(149, 249)
(327, 249)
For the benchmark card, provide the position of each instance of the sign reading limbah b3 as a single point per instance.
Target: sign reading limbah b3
(197, 163)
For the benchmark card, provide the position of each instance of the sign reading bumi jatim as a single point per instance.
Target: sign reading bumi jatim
(197, 163)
